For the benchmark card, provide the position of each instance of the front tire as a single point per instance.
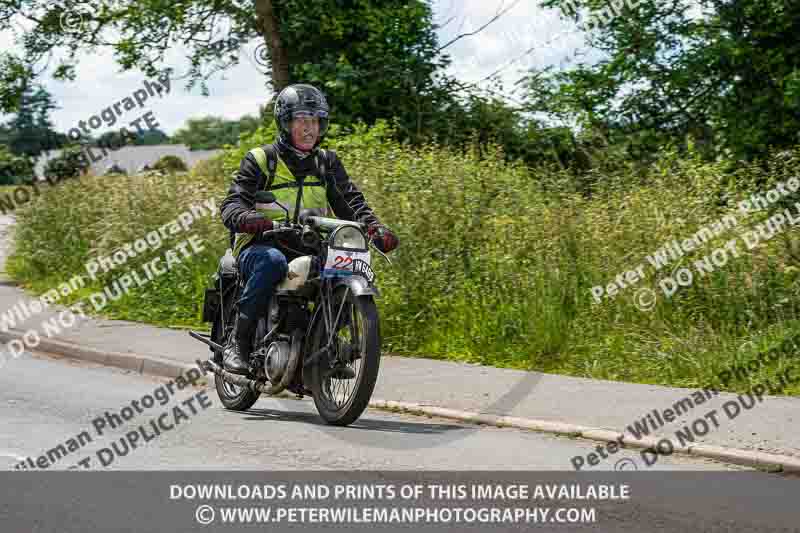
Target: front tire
(356, 342)
(232, 396)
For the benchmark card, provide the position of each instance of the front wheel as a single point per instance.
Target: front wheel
(341, 395)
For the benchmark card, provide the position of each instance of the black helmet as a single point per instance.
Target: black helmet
(300, 100)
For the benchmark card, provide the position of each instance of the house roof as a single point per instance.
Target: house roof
(132, 158)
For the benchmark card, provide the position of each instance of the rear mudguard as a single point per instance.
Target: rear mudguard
(224, 281)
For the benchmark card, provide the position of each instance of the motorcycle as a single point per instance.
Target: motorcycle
(320, 335)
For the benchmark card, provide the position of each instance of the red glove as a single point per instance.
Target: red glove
(254, 222)
(382, 237)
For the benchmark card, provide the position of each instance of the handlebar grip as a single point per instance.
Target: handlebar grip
(272, 232)
(279, 229)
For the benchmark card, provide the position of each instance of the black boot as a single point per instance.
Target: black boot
(237, 358)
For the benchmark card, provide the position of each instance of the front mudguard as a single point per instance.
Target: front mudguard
(358, 286)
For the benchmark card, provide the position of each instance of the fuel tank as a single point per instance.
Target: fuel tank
(297, 275)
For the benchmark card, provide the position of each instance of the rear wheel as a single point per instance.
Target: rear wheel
(340, 399)
(232, 396)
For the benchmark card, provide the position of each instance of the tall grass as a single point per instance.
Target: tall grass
(78, 220)
(497, 261)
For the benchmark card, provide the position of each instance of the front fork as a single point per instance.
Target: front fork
(328, 313)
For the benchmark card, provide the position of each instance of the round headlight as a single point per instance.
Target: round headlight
(349, 237)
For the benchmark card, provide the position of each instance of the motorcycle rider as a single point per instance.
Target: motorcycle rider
(301, 115)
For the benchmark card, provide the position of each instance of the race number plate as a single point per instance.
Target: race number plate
(362, 268)
(341, 262)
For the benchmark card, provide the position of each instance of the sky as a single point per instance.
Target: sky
(525, 36)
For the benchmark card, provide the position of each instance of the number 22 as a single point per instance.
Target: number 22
(341, 262)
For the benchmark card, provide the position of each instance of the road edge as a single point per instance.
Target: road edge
(161, 367)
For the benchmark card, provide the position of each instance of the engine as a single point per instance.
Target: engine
(276, 361)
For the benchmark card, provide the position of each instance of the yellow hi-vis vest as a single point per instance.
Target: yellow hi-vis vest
(284, 185)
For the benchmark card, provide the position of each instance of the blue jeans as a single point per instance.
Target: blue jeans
(261, 267)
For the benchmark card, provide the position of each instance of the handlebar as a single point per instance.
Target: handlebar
(281, 228)
(307, 236)
(312, 222)
(284, 227)
(274, 231)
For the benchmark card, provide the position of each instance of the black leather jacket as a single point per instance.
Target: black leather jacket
(344, 197)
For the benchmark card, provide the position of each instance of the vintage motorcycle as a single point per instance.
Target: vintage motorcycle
(320, 335)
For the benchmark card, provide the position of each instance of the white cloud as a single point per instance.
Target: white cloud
(526, 36)
(100, 83)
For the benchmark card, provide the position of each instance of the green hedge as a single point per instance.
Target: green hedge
(496, 262)
(14, 169)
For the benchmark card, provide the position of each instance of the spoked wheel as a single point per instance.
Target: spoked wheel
(232, 396)
(343, 378)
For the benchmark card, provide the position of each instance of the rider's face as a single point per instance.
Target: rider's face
(305, 131)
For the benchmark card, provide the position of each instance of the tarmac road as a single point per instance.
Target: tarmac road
(46, 401)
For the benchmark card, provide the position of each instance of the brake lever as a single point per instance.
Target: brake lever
(275, 231)
(383, 254)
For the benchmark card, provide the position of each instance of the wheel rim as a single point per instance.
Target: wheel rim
(231, 390)
(349, 346)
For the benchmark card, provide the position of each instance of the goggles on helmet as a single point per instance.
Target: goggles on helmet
(319, 114)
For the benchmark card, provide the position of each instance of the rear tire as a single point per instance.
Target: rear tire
(363, 330)
(232, 396)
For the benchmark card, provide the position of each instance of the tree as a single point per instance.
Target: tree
(14, 169)
(372, 59)
(151, 137)
(30, 131)
(726, 74)
(358, 50)
(169, 164)
(208, 133)
(70, 163)
(115, 139)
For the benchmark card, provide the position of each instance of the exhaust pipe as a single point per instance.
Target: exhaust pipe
(206, 339)
(242, 381)
(236, 379)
